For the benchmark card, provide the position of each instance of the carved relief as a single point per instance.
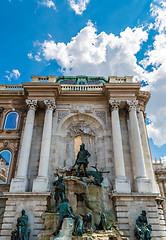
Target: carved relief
(78, 128)
(62, 114)
(102, 116)
(81, 109)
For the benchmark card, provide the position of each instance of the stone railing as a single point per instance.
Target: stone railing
(7, 87)
(43, 79)
(81, 87)
(115, 79)
(159, 164)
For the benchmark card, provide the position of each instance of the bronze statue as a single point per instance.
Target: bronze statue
(65, 211)
(142, 230)
(82, 159)
(78, 226)
(22, 232)
(98, 178)
(103, 222)
(60, 190)
(87, 221)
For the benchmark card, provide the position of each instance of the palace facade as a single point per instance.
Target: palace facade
(43, 123)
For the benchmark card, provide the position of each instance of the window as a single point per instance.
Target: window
(81, 83)
(11, 120)
(5, 160)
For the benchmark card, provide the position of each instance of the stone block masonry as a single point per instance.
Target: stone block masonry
(35, 204)
(129, 206)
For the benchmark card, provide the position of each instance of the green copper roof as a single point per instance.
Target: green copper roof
(81, 78)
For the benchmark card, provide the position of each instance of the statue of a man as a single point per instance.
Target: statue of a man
(65, 211)
(142, 230)
(82, 159)
(22, 230)
(60, 190)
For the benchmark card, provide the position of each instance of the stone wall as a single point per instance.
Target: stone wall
(33, 204)
(129, 206)
(2, 209)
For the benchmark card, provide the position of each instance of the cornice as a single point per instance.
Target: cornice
(143, 98)
(121, 91)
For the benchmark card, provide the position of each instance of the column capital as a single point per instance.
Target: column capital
(50, 104)
(132, 104)
(32, 104)
(114, 104)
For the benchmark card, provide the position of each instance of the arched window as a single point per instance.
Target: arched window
(11, 120)
(5, 160)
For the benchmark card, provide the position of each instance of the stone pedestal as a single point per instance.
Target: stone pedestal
(122, 185)
(18, 184)
(67, 229)
(143, 185)
(41, 184)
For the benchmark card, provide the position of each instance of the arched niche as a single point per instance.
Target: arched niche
(5, 161)
(11, 120)
(80, 126)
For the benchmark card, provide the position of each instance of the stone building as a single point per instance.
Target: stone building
(42, 124)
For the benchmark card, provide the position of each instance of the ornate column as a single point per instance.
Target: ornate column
(143, 184)
(20, 182)
(121, 183)
(40, 184)
(146, 148)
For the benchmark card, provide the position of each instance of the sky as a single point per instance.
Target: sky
(89, 37)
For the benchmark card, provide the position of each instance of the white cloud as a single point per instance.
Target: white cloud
(98, 54)
(30, 55)
(157, 77)
(163, 159)
(104, 54)
(47, 3)
(78, 5)
(15, 74)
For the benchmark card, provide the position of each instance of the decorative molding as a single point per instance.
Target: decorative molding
(50, 104)
(114, 104)
(102, 116)
(32, 104)
(62, 114)
(81, 109)
(132, 105)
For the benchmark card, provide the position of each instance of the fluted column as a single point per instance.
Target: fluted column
(40, 184)
(121, 183)
(146, 150)
(19, 183)
(143, 184)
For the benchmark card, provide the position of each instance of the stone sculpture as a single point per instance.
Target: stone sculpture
(60, 190)
(22, 232)
(98, 178)
(142, 230)
(82, 159)
(103, 222)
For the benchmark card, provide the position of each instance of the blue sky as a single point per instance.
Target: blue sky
(90, 37)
